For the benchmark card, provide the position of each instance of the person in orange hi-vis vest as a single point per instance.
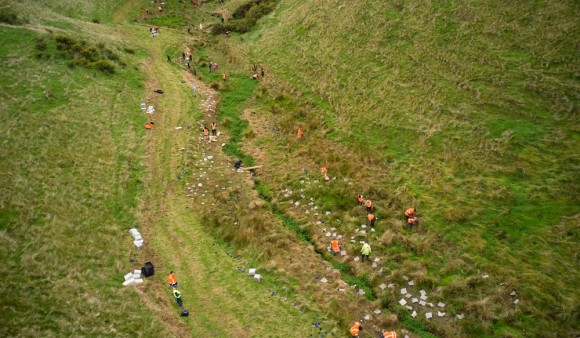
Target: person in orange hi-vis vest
(411, 221)
(389, 334)
(172, 280)
(299, 134)
(372, 220)
(335, 246)
(355, 329)
(410, 212)
(360, 200)
(369, 205)
(324, 172)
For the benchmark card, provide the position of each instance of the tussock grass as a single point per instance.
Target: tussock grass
(429, 106)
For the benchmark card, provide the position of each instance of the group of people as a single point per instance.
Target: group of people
(172, 280)
(255, 71)
(206, 136)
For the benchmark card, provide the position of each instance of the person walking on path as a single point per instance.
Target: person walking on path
(224, 76)
(360, 200)
(369, 205)
(299, 133)
(365, 251)
(209, 66)
(214, 128)
(178, 299)
(172, 280)
(372, 220)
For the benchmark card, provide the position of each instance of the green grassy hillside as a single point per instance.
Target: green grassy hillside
(466, 110)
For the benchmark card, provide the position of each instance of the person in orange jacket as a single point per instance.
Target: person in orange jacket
(324, 172)
(372, 220)
(411, 221)
(360, 200)
(410, 212)
(335, 246)
(172, 280)
(300, 133)
(389, 334)
(355, 329)
(369, 205)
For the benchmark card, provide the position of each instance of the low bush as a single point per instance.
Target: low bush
(246, 16)
(8, 16)
(85, 55)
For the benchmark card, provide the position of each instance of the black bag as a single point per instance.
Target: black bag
(184, 313)
(147, 270)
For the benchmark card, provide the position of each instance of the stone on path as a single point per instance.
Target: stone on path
(403, 291)
(356, 259)
(440, 304)
(382, 286)
(422, 303)
(324, 280)
(428, 315)
(414, 314)
(460, 316)
(374, 265)
(257, 277)
(516, 301)
(414, 300)
(403, 301)
(377, 311)
(513, 293)
(252, 272)
(405, 278)
(367, 317)
(361, 292)
(412, 283)
(423, 297)
(343, 253)
(408, 295)
(441, 314)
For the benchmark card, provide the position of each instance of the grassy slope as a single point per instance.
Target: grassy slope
(70, 167)
(469, 112)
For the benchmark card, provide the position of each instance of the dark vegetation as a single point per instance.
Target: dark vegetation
(10, 17)
(82, 53)
(246, 16)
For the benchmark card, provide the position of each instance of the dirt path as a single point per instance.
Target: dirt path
(222, 301)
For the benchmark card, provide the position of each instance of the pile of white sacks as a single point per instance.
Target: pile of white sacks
(137, 239)
(133, 278)
(252, 272)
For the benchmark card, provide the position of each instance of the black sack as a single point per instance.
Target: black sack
(148, 270)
